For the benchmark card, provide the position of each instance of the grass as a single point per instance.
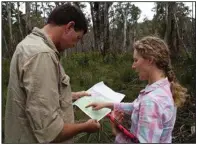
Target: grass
(87, 69)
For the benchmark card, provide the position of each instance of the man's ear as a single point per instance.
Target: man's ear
(71, 24)
(68, 26)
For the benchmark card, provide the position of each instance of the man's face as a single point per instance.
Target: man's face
(70, 37)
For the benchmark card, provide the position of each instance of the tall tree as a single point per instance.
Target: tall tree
(36, 8)
(105, 28)
(5, 42)
(165, 12)
(19, 20)
(172, 20)
(96, 25)
(10, 25)
(28, 23)
(125, 16)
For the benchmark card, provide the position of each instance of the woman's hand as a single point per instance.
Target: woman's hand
(96, 106)
(119, 116)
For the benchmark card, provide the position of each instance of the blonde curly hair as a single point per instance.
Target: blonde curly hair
(155, 48)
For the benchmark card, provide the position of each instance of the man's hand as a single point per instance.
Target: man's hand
(77, 95)
(70, 130)
(92, 125)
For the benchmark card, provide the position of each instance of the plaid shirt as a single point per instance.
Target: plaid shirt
(153, 114)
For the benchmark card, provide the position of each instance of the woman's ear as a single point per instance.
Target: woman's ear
(151, 60)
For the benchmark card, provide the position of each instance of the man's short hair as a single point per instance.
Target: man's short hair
(65, 13)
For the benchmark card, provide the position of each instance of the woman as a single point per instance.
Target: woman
(153, 113)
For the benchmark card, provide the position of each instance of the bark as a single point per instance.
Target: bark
(178, 35)
(10, 45)
(6, 45)
(125, 29)
(28, 23)
(36, 8)
(167, 31)
(106, 28)
(19, 20)
(77, 4)
(9, 20)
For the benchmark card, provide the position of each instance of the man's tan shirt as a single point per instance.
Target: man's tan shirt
(39, 99)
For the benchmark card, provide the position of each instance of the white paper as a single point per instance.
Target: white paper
(99, 93)
(106, 92)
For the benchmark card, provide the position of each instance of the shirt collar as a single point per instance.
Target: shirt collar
(47, 40)
(155, 85)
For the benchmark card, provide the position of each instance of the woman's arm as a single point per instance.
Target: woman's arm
(150, 125)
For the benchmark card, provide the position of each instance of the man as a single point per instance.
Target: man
(39, 103)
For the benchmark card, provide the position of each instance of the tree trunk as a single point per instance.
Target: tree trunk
(125, 29)
(106, 27)
(178, 35)
(9, 20)
(173, 36)
(170, 33)
(36, 8)
(132, 35)
(6, 45)
(19, 20)
(45, 11)
(99, 12)
(167, 31)
(94, 26)
(101, 27)
(192, 29)
(77, 4)
(56, 4)
(10, 27)
(28, 24)
(96, 23)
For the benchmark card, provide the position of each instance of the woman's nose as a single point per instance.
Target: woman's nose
(133, 66)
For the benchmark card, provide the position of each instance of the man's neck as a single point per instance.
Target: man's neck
(53, 33)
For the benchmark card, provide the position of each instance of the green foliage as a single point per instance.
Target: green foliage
(86, 69)
(5, 79)
(186, 72)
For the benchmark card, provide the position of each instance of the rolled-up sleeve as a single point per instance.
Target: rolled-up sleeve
(40, 80)
(125, 107)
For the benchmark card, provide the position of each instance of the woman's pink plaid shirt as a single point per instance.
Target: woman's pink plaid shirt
(153, 114)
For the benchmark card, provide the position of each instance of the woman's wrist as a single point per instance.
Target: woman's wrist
(109, 105)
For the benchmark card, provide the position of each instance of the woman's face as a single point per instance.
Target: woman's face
(141, 66)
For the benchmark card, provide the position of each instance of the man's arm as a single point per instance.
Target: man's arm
(40, 80)
(71, 130)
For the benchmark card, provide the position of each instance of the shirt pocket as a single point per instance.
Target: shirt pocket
(65, 80)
